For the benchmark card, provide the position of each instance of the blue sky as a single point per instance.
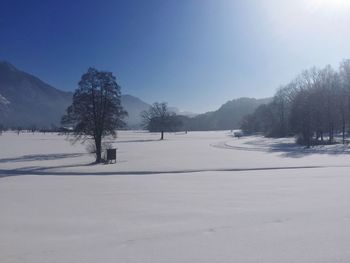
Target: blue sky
(193, 54)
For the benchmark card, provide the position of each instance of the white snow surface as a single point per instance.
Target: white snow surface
(196, 197)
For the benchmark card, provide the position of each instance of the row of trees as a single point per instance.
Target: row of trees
(30, 128)
(314, 107)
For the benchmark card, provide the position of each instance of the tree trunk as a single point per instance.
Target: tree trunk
(343, 125)
(98, 150)
(162, 135)
(309, 136)
(330, 135)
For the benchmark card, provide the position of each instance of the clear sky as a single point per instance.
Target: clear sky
(193, 54)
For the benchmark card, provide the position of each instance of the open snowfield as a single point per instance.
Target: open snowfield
(197, 197)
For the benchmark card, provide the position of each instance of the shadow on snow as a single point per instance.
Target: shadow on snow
(40, 157)
(287, 149)
(35, 170)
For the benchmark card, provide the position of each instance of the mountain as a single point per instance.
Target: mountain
(26, 100)
(183, 113)
(227, 117)
(134, 106)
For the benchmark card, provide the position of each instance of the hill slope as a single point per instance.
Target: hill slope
(26, 100)
(134, 106)
(227, 117)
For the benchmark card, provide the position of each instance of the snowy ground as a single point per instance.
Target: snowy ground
(196, 197)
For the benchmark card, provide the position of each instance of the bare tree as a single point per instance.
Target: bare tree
(96, 110)
(301, 118)
(33, 128)
(281, 105)
(159, 119)
(344, 75)
(317, 102)
(19, 130)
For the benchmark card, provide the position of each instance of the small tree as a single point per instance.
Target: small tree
(19, 130)
(96, 110)
(33, 128)
(159, 119)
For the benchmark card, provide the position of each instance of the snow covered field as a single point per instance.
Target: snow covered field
(196, 197)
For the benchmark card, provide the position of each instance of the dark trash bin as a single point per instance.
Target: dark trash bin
(112, 155)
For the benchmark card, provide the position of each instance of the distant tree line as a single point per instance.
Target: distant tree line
(314, 107)
(33, 129)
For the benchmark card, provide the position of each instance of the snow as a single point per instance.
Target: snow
(3, 100)
(196, 197)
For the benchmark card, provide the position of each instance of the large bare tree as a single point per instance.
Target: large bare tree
(96, 110)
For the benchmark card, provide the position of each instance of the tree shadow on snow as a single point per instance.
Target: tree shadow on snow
(294, 150)
(49, 171)
(297, 151)
(40, 157)
(136, 141)
(287, 148)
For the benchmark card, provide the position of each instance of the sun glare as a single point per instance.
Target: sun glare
(330, 3)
